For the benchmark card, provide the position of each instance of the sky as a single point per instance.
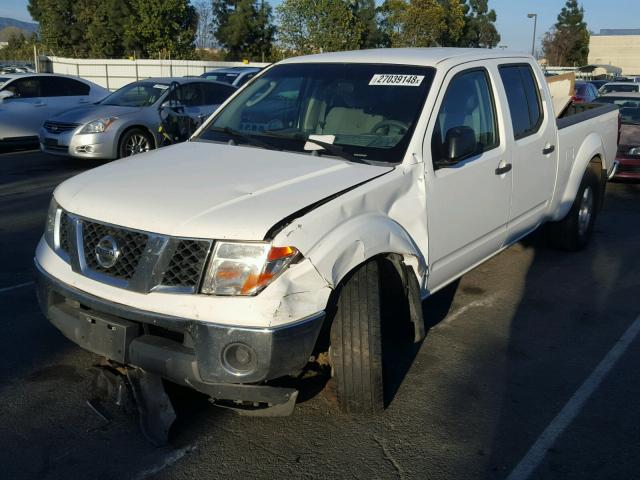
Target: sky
(515, 28)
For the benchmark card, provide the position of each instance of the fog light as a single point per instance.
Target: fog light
(239, 359)
(85, 149)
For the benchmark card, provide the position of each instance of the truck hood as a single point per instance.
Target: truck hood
(89, 113)
(207, 190)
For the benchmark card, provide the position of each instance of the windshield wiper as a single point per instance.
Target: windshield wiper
(246, 138)
(329, 147)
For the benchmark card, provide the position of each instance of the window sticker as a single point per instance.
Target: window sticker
(160, 86)
(396, 80)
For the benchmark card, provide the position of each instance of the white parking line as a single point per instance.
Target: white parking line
(537, 452)
(15, 287)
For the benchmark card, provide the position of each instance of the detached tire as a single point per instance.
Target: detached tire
(574, 231)
(134, 141)
(356, 343)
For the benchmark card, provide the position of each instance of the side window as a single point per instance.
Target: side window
(188, 95)
(216, 94)
(64, 87)
(523, 96)
(29, 87)
(468, 102)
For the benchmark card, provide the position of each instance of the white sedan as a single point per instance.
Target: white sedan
(27, 100)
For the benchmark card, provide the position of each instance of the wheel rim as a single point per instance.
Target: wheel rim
(585, 212)
(135, 144)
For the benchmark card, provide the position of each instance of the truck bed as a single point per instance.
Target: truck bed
(579, 112)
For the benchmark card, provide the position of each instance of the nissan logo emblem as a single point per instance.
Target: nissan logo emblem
(107, 252)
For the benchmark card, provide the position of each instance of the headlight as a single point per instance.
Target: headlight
(635, 151)
(239, 268)
(50, 224)
(98, 126)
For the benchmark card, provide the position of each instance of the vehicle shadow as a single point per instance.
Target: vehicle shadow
(573, 309)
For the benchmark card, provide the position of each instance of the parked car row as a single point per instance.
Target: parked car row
(628, 155)
(75, 117)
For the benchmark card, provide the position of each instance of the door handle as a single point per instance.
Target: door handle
(38, 105)
(503, 170)
(548, 150)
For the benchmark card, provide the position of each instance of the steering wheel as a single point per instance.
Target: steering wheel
(388, 124)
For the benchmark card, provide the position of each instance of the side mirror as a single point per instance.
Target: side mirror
(4, 94)
(460, 142)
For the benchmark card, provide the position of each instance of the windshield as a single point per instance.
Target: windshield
(222, 77)
(365, 111)
(629, 108)
(138, 94)
(608, 88)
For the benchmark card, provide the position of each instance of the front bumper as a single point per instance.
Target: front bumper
(74, 144)
(628, 168)
(185, 351)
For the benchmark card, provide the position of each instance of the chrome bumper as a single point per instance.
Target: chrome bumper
(614, 169)
(185, 351)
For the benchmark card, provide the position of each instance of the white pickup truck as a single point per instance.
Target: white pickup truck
(272, 239)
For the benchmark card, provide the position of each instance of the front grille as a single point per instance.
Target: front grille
(64, 233)
(187, 264)
(130, 243)
(146, 261)
(59, 127)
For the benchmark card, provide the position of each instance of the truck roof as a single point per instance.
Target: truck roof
(429, 57)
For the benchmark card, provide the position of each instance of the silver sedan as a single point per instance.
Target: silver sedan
(136, 118)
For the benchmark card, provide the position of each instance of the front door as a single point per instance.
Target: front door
(467, 202)
(23, 114)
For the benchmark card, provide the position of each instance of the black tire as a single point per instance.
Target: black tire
(574, 231)
(134, 141)
(356, 343)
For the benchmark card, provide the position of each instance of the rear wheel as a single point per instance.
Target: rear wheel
(134, 141)
(356, 343)
(574, 231)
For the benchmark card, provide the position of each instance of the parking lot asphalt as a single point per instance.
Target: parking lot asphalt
(509, 349)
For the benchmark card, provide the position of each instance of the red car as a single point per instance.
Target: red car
(629, 144)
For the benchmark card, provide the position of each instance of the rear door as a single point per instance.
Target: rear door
(467, 203)
(532, 132)
(64, 93)
(22, 115)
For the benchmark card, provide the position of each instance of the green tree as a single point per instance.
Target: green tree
(105, 28)
(455, 19)
(161, 27)
(421, 23)
(424, 24)
(113, 28)
(312, 26)
(60, 32)
(244, 28)
(365, 13)
(479, 29)
(391, 21)
(567, 44)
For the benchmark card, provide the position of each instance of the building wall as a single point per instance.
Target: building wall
(620, 50)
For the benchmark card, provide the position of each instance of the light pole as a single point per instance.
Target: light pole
(535, 21)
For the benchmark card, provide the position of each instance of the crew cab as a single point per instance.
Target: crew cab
(273, 239)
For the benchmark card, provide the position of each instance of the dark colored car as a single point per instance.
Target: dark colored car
(585, 92)
(598, 83)
(236, 76)
(628, 155)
